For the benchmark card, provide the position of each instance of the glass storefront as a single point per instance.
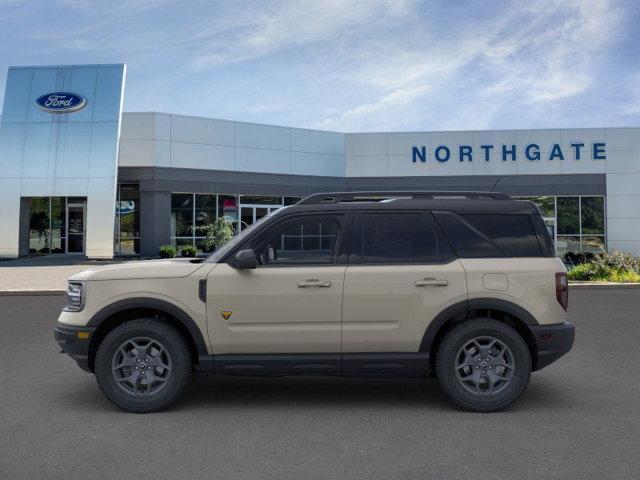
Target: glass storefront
(57, 225)
(192, 210)
(127, 220)
(577, 224)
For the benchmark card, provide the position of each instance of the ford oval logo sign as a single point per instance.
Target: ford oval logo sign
(61, 102)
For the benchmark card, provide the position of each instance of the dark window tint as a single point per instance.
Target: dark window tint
(544, 237)
(513, 234)
(306, 240)
(401, 238)
(468, 242)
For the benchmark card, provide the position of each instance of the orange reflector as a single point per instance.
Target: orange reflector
(83, 335)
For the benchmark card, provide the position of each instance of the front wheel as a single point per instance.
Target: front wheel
(143, 365)
(483, 365)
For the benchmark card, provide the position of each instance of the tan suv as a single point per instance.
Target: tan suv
(461, 285)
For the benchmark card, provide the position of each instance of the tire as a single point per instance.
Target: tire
(143, 365)
(492, 385)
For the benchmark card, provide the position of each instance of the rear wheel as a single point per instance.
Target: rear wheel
(143, 365)
(483, 365)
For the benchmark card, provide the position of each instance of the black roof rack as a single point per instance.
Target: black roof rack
(337, 197)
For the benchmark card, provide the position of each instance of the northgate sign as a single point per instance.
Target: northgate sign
(531, 152)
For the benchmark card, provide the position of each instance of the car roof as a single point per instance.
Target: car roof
(457, 202)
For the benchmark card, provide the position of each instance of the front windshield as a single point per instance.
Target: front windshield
(238, 239)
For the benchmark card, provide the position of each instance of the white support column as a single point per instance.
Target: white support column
(623, 189)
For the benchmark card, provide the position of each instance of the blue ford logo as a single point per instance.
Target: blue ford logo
(61, 102)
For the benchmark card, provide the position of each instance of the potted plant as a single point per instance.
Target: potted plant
(167, 251)
(188, 251)
(217, 233)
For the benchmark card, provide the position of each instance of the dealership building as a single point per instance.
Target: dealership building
(80, 176)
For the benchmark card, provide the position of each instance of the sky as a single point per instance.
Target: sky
(349, 65)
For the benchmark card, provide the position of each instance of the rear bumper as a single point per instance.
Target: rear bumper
(74, 345)
(552, 342)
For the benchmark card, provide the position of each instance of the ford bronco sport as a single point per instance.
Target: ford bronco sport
(463, 286)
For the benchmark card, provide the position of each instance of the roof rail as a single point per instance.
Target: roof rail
(336, 197)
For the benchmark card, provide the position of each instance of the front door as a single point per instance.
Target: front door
(402, 273)
(75, 227)
(291, 303)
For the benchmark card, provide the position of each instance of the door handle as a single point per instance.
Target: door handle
(431, 282)
(313, 282)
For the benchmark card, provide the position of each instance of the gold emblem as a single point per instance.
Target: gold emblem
(226, 314)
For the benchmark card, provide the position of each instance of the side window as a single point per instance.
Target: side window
(513, 234)
(467, 241)
(400, 238)
(544, 238)
(306, 240)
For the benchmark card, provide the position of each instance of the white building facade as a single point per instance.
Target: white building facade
(157, 177)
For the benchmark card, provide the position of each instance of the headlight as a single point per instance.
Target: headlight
(75, 300)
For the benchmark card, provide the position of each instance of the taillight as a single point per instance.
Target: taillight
(562, 289)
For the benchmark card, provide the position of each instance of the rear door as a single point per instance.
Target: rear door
(401, 274)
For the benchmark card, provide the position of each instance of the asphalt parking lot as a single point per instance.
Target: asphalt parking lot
(579, 418)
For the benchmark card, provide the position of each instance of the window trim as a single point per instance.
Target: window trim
(355, 257)
(337, 255)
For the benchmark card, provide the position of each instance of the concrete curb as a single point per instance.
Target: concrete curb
(9, 293)
(601, 285)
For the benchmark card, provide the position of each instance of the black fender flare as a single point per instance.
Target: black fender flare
(156, 304)
(463, 308)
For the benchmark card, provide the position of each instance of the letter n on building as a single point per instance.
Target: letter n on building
(419, 154)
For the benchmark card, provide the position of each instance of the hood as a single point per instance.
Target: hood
(169, 268)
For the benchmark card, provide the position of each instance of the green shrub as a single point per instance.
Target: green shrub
(614, 266)
(624, 276)
(584, 271)
(217, 233)
(167, 251)
(617, 260)
(188, 251)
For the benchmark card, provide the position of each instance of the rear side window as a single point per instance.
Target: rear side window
(399, 238)
(513, 234)
(466, 240)
(487, 235)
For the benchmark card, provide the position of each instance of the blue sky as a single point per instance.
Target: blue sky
(371, 65)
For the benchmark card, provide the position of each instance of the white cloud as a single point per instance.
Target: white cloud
(537, 53)
(283, 25)
(345, 64)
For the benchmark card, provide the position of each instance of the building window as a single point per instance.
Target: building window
(228, 208)
(576, 224)
(568, 216)
(40, 225)
(57, 225)
(291, 200)
(127, 220)
(192, 210)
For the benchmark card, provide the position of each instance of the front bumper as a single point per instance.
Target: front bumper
(75, 341)
(552, 342)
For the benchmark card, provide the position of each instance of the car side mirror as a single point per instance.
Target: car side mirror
(245, 260)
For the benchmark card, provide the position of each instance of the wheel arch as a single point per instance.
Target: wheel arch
(504, 311)
(121, 311)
